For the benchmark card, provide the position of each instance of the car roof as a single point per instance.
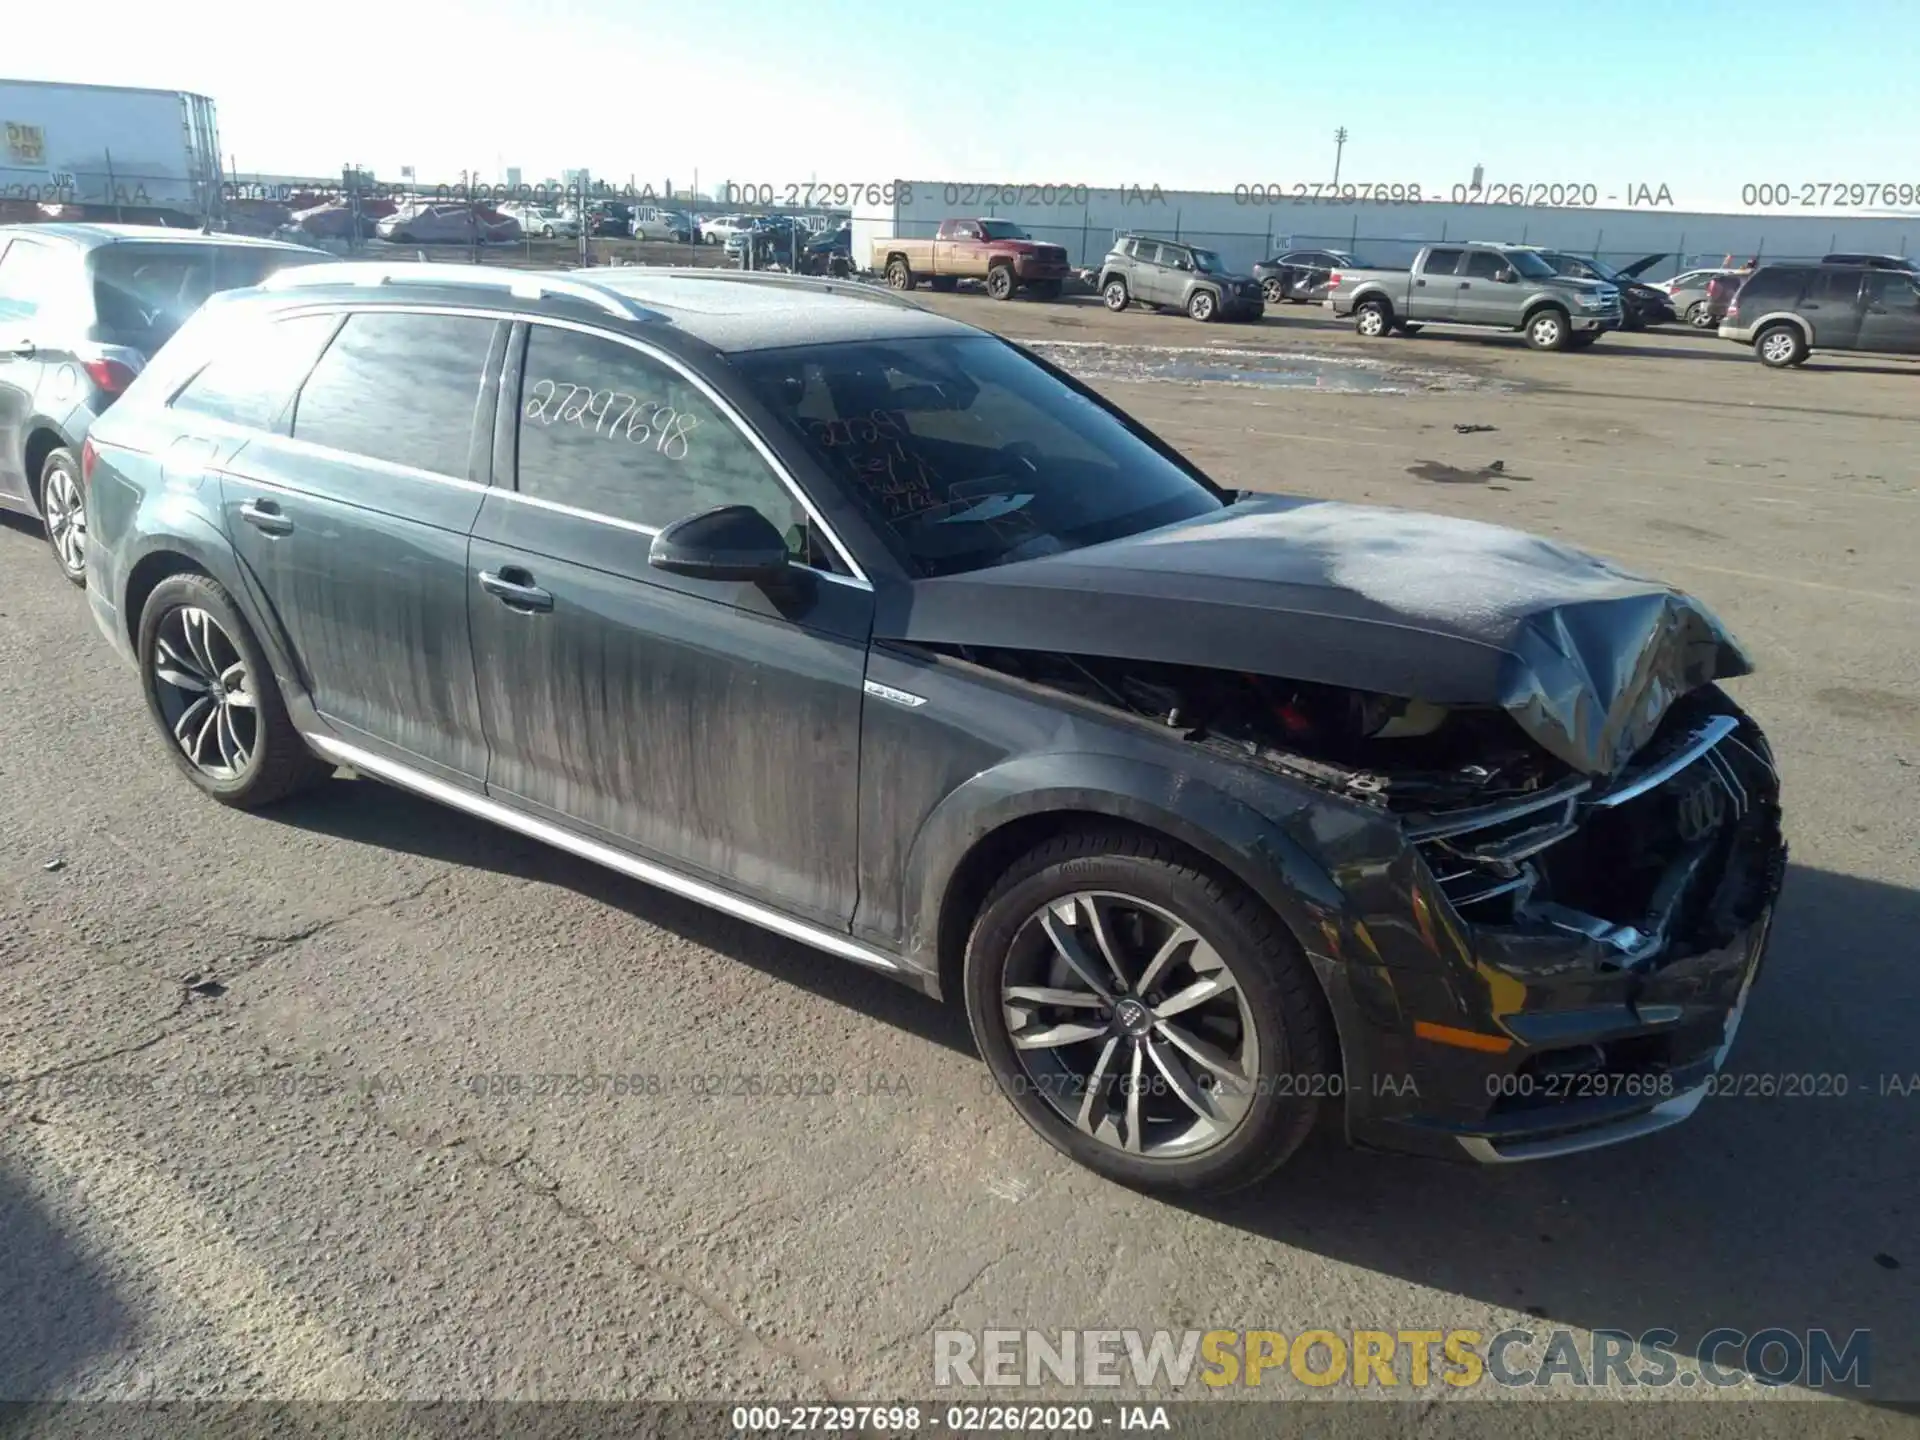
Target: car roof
(88, 234)
(730, 310)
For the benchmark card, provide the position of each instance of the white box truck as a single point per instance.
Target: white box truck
(109, 145)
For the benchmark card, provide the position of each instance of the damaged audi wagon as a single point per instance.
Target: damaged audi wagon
(1219, 812)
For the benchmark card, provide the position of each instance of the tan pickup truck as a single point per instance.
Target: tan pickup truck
(996, 251)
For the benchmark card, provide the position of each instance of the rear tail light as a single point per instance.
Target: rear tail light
(87, 456)
(1333, 281)
(112, 376)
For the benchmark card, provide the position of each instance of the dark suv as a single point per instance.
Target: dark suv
(1786, 312)
(1178, 277)
(82, 308)
(881, 632)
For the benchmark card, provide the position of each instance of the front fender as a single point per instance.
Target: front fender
(1181, 804)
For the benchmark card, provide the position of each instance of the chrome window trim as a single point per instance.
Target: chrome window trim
(752, 911)
(725, 407)
(856, 577)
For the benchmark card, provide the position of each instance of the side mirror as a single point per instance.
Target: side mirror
(733, 542)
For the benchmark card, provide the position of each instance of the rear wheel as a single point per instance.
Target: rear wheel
(1373, 318)
(1001, 283)
(1115, 294)
(1780, 346)
(1548, 329)
(1697, 315)
(213, 697)
(1150, 1020)
(899, 276)
(64, 509)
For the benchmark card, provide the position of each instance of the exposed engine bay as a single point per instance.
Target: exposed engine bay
(1673, 854)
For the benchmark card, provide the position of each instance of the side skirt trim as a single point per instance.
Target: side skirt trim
(407, 778)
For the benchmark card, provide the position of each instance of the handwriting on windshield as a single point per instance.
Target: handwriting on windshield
(612, 415)
(873, 446)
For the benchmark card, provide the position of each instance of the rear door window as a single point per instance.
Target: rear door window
(30, 277)
(400, 388)
(253, 380)
(1835, 286)
(1441, 262)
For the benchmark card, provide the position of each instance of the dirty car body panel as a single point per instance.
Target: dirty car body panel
(1489, 786)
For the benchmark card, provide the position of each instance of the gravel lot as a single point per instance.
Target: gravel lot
(256, 1140)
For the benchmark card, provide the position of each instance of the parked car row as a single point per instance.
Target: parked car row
(986, 688)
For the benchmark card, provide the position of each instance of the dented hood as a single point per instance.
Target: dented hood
(1585, 656)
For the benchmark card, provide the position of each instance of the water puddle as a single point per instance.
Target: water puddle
(1264, 369)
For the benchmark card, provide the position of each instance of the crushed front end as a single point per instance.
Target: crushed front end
(1573, 954)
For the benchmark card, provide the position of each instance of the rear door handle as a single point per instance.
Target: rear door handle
(514, 587)
(265, 516)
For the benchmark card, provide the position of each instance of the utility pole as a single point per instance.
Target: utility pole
(1339, 144)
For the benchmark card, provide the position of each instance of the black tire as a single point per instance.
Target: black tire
(1548, 328)
(1406, 329)
(899, 274)
(279, 764)
(1115, 294)
(1203, 305)
(1044, 289)
(1373, 319)
(1780, 346)
(945, 284)
(1283, 998)
(63, 507)
(1001, 282)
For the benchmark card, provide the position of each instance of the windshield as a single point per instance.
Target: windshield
(1208, 263)
(1002, 230)
(144, 293)
(1529, 264)
(966, 454)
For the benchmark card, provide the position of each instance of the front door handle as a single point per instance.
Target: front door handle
(514, 587)
(265, 516)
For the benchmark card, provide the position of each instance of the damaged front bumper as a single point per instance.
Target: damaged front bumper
(1567, 971)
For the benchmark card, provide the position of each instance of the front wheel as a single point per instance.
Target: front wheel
(1116, 295)
(1000, 282)
(1273, 290)
(1149, 1020)
(63, 507)
(1373, 319)
(1547, 330)
(1780, 346)
(214, 699)
(1202, 305)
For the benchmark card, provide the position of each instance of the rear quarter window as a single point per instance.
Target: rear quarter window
(253, 378)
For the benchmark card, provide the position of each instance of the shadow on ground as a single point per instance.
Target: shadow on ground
(57, 1311)
(1795, 1211)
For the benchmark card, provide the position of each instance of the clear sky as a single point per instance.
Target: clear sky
(1702, 96)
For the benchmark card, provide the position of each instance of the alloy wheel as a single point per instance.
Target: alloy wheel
(1202, 306)
(206, 696)
(1273, 291)
(1777, 347)
(66, 520)
(1130, 1025)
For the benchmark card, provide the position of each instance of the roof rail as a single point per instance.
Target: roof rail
(524, 284)
(820, 285)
